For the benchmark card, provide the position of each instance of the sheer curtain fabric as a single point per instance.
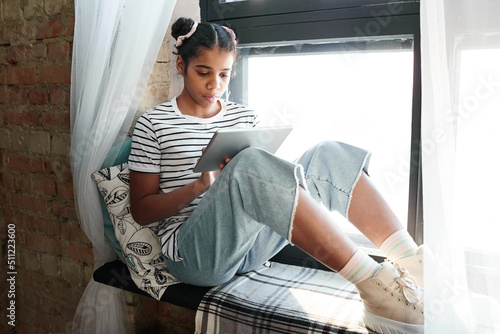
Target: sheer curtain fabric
(460, 137)
(115, 47)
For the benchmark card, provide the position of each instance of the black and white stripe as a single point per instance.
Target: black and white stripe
(167, 143)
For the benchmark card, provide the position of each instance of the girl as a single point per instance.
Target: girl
(217, 224)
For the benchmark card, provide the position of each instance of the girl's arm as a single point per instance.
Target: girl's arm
(148, 206)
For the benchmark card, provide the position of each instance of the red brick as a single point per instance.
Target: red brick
(4, 93)
(21, 237)
(43, 185)
(63, 208)
(26, 221)
(50, 74)
(30, 203)
(58, 51)
(71, 27)
(15, 75)
(38, 96)
(51, 307)
(10, 216)
(3, 199)
(22, 183)
(61, 170)
(18, 95)
(60, 290)
(24, 164)
(46, 226)
(68, 231)
(65, 190)
(16, 54)
(64, 323)
(30, 306)
(45, 244)
(81, 253)
(56, 119)
(42, 323)
(66, 74)
(32, 279)
(59, 96)
(52, 28)
(53, 51)
(20, 116)
(7, 180)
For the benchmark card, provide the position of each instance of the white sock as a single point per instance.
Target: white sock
(359, 268)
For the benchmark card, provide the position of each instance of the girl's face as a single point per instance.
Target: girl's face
(205, 80)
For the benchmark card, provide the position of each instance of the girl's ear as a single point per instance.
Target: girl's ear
(180, 65)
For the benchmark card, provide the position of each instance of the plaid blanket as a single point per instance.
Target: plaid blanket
(282, 299)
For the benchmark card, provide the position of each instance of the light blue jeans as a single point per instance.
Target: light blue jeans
(246, 217)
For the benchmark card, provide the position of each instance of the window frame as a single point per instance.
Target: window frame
(271, 22)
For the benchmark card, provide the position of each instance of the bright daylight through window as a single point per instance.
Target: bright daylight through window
(359, 97)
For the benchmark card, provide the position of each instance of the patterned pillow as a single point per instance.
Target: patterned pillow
(139, 245)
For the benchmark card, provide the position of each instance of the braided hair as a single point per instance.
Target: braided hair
(206, 36)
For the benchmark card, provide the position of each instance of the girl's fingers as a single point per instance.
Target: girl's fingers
(226, 161)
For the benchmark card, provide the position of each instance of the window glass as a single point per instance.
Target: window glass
(361, 96)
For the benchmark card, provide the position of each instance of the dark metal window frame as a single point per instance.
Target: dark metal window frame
(279, 22)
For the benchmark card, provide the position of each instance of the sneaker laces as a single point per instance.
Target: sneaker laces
(410, 289)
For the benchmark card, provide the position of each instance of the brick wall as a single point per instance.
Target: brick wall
(54, 258)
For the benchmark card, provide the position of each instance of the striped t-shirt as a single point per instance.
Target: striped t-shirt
(168, 143)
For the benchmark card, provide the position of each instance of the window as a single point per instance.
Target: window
(336, 70)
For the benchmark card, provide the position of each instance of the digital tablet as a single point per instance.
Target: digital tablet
(226, 143)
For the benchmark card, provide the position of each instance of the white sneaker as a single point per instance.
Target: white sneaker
(414, 265)
(393, 302)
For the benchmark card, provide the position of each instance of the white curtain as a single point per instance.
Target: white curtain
(460, 143)
(115, 47)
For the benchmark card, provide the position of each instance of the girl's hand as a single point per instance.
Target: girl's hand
(207, 179)
(222, 165)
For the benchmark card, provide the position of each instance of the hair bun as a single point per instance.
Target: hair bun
(181, 27)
